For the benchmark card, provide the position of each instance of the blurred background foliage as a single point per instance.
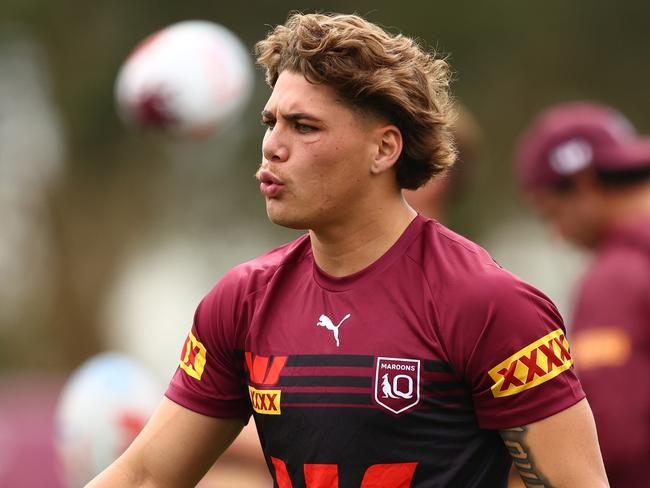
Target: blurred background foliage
(116, 191)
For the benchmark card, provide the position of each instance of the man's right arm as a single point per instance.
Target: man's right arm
(175, 449)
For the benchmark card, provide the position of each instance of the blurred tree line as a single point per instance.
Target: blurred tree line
(510, 58)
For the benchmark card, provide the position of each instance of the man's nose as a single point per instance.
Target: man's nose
(274, 146)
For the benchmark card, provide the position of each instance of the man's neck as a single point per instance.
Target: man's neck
(346, 249)
(628, 207)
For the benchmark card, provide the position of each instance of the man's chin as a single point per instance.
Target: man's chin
(290, 222)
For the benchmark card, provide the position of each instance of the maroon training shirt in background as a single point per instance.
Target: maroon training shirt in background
(611, 329)
(399, 375)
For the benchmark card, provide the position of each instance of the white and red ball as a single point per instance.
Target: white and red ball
(190, 79)
(102, 407)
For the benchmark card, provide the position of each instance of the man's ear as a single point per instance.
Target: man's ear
(389, 148)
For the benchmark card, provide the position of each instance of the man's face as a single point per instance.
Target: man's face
(316, 155)
(573, 213)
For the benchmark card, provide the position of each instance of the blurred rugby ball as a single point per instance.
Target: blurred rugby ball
(189, 79)
(103, 405)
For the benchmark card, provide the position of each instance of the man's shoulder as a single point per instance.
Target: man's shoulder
(452, 258)
(288, 253)
(464, 273)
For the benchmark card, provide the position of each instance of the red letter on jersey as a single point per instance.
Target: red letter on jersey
(509, 377)
(389, 475)
(281, 475)
(259, 370)
(321, 475)
(397, 475)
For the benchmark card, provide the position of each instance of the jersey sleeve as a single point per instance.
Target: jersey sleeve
(511, 349)
(210, 375)
(611, 334)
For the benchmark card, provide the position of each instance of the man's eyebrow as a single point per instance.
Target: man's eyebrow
(291, 116)
(301, 116)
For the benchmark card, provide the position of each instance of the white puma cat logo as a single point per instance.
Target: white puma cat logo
(325, 321)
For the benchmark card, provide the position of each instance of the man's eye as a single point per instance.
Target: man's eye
(269, 124)
(304, 129)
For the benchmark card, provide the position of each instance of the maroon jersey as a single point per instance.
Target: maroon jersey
(612, 333)
(397, 376)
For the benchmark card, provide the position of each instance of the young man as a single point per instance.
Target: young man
(589, 173)
(379, 349)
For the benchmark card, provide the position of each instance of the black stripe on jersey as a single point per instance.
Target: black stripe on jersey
(438, 385)
(350, 381)
(436, 366)
(445, 420)
(331, 360)
(458, 403)
(289, 398)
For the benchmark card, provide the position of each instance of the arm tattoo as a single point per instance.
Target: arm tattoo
(520, 452)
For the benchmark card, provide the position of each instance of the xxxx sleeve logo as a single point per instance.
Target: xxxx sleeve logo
(533, 365)
(193, 357)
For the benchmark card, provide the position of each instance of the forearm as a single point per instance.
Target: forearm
(120, 474)
(141, 469)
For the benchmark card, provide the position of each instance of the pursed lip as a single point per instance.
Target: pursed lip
(268, 178)
(270, 185)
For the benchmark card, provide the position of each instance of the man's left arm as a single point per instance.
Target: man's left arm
(560, 451)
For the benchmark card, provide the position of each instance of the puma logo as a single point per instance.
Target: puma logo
(325, 321)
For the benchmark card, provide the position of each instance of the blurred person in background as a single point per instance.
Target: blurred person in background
(588, 172)
(434, 197)
(473, 372)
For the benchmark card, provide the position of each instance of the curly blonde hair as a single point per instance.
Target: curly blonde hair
(377, 72)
